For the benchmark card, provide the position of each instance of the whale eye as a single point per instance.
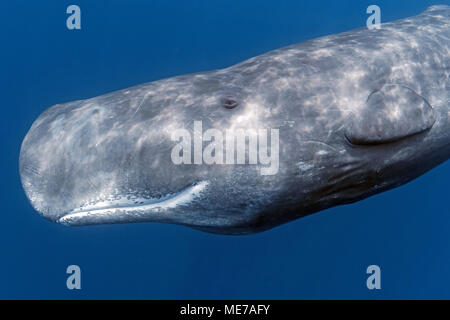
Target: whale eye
(229, 102)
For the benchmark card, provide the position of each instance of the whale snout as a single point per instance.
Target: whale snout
(86, 163)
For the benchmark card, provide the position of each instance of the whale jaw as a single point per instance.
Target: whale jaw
(122, 211)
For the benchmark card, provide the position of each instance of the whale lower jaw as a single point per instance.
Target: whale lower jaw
(123, 212)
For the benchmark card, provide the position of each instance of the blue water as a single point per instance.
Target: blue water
(124, 43)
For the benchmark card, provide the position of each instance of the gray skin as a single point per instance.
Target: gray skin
(358, 113)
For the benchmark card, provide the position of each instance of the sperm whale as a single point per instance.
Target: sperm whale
(335, 119)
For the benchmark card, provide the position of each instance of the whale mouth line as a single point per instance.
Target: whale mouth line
(108, 210)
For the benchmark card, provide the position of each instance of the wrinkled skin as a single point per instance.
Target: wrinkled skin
(358, 113)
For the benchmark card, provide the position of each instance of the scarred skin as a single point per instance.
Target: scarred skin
(357, 113)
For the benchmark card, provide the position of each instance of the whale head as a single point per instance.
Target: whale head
(191, 149)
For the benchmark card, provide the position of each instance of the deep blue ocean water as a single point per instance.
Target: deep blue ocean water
(124, 43)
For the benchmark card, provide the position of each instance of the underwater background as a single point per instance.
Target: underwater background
(405, 231)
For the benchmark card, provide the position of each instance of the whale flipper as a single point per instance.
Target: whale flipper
(392, 113)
